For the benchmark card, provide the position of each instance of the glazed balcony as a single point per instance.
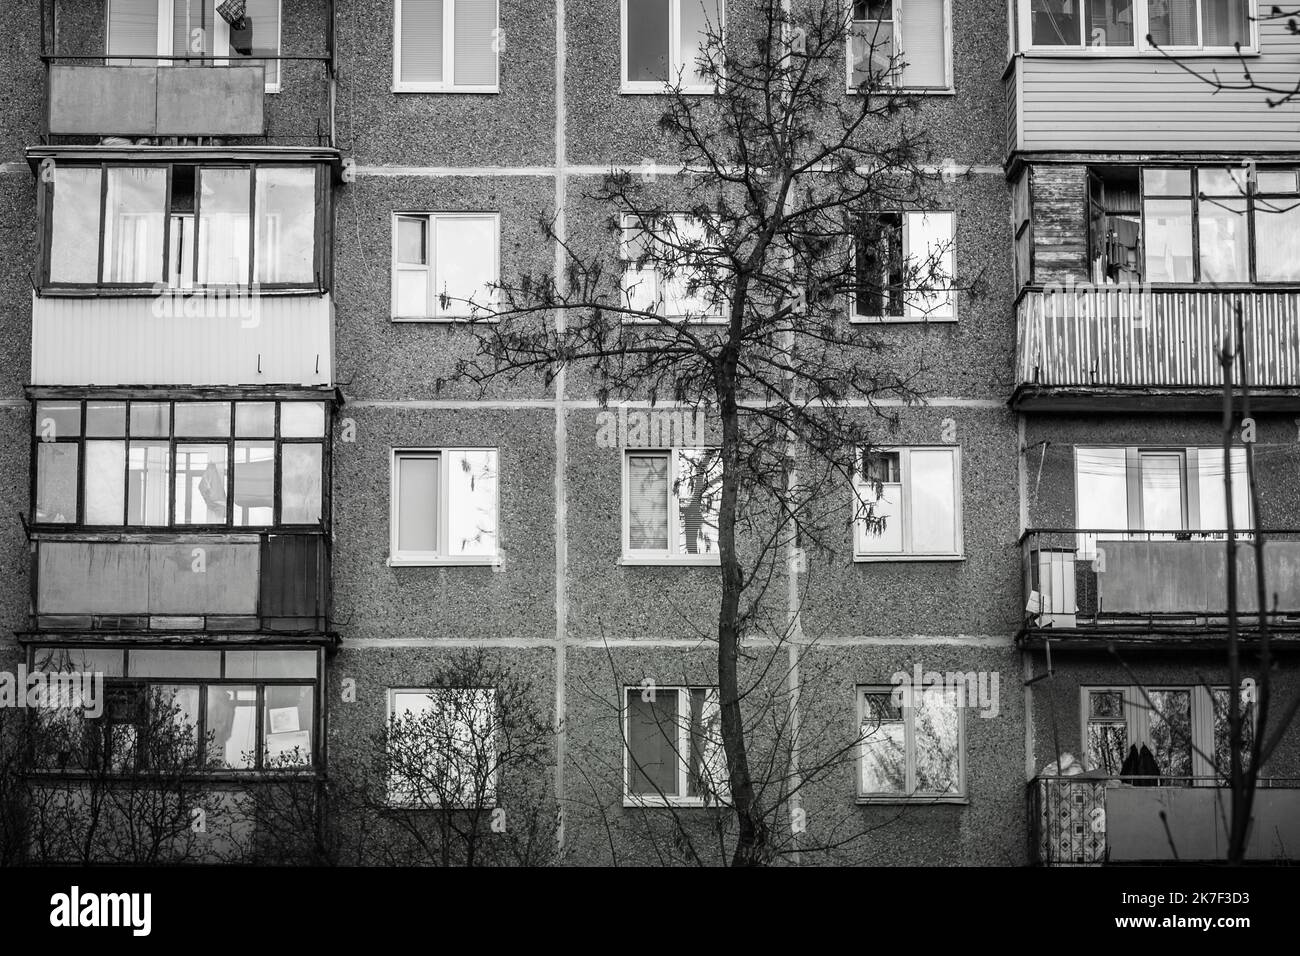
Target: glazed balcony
(1091, 819)
(1098, 348)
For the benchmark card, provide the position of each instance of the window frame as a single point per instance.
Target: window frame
(681, 220)
(134, 684)
(909, 260)
(448, 57)
(172, 439)
(221, 54)
(676, 66)
(861, 556)
(950, 86)
(909, 753)
(649, 557)
(492, 790)
(442, 557)
(1141, 29)
(321, 255)
(1137, 722)
(681, 799)
(430, 220)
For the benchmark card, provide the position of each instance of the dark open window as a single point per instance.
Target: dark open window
(1115, 225)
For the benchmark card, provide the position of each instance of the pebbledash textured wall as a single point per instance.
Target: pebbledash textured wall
(562, 608)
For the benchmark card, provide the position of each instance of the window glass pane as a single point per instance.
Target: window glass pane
(1277, 181)
(466, 263)
(707, 772)
(412, 240)
(133, 234)
(417, 504)
(1277, 239)
(1162, 181)
(191, 29)
(223, 226)
(259, 37)
(1168, 240)
(880, 505)
(871, 42)
(1213, 496)
(172, 739)
(254, 482)
(201, 483)
(300, 483)
(413, 292)
(287, 725)
(1055, 22)
(1227, 182)
(421, 41)
(879, 265)
(1107, 745)
(698, 19)
(58, 420)
(270, 665)
(1162, 492)
(933, 491)
(148, 475)
(1225, 22)
(647, 40)
(133, 31)
(1110, 22)
(1225, 241)
(105, 482)
(937, 720)
(203, 419)
(683, 264)
(161, 662)
(924, 43)
(106, 419)
(74, 227)
(1169, 716)
(286, 225)
(1221, 700)
(930, 264)
(1172, 22)
(150, 420)
(94, 660)
(231, 726)
(302, 419)
(647, 485)
(1101, 493)
(884, 758)
(654, 754)
(472, 502)
(255, 419)
(475, 62)
(56, 482)
(699, 495)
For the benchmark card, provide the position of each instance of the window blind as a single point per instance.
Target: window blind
(133, 30)
(417, 503)
(475, 60)
(924, 44)
(421, 41)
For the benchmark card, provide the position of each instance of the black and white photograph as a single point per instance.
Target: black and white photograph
(447, 440)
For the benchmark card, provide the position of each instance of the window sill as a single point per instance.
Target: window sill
(488, 561)
(904, 558)
(634, 561)
(1088, 53)
(443, 319)
(441, 88)
(391, 806)
(912, 801)
(907, 91)
(679, 320)
(654, 802)
(903, 319)
(660, 89)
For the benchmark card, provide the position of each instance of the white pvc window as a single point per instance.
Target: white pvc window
(1122, 26)
(666, 42)
(902, 43)
(445, 265)
(673, 752)
(446, 46)
(666, 269)
(908, 504)
(905, 266)
(442, 748)
(444, 507)
(911, 746)
(671, 499)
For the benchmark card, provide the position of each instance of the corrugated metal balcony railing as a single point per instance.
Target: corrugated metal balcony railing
(1091, 819)
(1143, 581)
(266, 582)
(1098, 339)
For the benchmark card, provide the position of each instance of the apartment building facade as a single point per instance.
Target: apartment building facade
(280, 511)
